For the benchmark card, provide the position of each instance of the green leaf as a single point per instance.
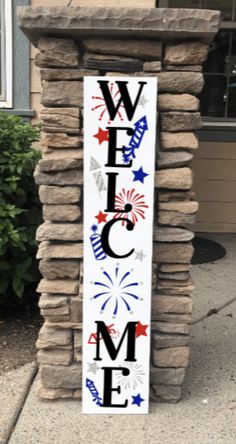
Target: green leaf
(18, 286)
(23, 266)
(4, 266)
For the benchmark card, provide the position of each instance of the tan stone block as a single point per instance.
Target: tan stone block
(76, 309)
(57, 376)
(171, 357)
(54, 269)
(174, 178)
(61, 140)
(172, 318)
(47, 393)
(167, 393)
(183, 276)
(59, 195)
(145, 49)
(161, 340)
(58, 319)
(55, 357)
(56, 52)
(169, 196)
(173, 268)
(59, 164)
(154, 66)
(77, 394)
(186, 53)
(170, 327)
(171, 304)
(65, 232)
(161, 234)
(175, 102)
(66, 117)
(70, 177)
(180, 82)
(167, 376)
(174, 219)
(56, 312)
(46, 301)
(54, 337)
(186, 140)
(195, 68)
(189, 207)
(173, 159)
(67, 74)
(180, 121)
(60, 286)
(65, 250)
(176, 288)
(78, 340)
(62, 93)
(177, 213)
(61, 213)
(50, 153)
(172, 252)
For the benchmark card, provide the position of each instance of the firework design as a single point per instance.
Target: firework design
(95, 240)
(136, 200)
(140, 127)
(119, 171)
(101, 104)
(117, 291)
(94, 392)
(135, 377)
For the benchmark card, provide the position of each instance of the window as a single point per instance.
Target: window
(227, 7)
(218, 98)
(5, 54)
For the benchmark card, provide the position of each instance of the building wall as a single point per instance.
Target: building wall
(214, 169)
(214, 164)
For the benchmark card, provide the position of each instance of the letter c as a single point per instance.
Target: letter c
(105, 237)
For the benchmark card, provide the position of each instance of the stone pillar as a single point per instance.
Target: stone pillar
(166, 43)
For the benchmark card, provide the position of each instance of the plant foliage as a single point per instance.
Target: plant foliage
(19, 207)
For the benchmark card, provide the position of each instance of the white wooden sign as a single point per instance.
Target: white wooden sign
(119, 151)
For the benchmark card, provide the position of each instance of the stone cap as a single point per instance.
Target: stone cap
(76, 22)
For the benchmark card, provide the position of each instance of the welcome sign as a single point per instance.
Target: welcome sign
(119, 151)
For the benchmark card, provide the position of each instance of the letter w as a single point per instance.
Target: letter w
(124, 98)
(130, 329)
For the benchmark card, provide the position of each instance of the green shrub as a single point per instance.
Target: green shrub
(20, 212)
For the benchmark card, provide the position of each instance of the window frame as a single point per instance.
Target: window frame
(6, 54)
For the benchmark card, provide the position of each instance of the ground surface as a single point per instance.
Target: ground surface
(18, 333)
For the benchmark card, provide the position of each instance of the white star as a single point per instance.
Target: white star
(93, 368)
(140, 255)
(143, 101)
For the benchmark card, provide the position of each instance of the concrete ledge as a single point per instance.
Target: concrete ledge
(76, 22)
(14, 387)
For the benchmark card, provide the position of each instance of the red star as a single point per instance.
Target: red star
(102, 136)
(141, 329)
(101, 217)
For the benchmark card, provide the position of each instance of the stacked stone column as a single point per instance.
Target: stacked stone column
(63, 64)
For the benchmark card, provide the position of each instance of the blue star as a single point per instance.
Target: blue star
(137, 399)
(139, 175)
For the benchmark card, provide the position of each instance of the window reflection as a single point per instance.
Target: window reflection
(226, 7)
(213, 96)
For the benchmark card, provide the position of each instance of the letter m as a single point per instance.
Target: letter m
(103, 333)
(124, 100)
